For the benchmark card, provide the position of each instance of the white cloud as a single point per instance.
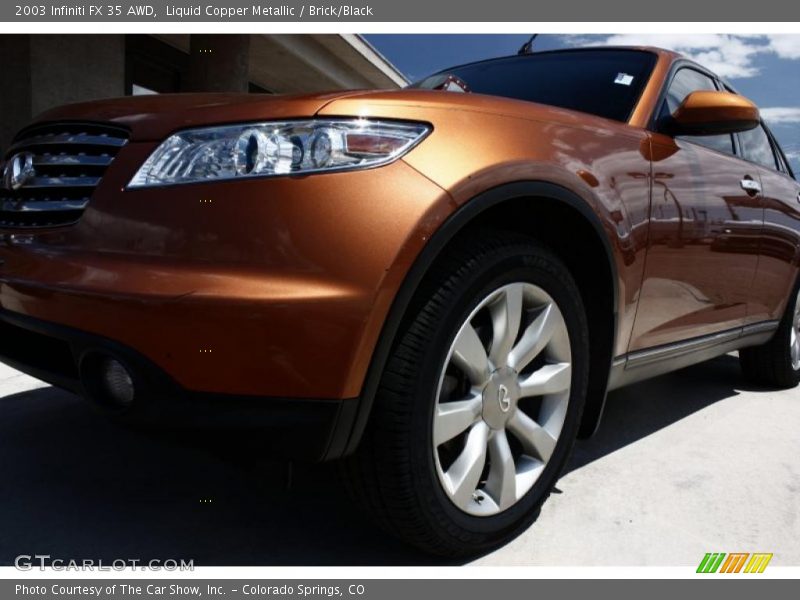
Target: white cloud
(781, 114)
(785, 46)
(731, 56)
(792, 151)
(794, 160)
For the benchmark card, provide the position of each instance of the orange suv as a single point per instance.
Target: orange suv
(436, 285)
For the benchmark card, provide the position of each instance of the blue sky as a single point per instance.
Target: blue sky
(765, 68)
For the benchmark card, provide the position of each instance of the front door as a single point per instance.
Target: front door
(705, 222)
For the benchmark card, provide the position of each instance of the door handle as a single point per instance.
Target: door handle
(751, 186)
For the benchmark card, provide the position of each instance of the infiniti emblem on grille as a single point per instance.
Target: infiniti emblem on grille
(19, 170)
(503, 399)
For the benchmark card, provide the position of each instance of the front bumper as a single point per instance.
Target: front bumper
(249, 291)
(267, 287)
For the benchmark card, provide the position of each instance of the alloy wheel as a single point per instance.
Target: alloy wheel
(502, 399)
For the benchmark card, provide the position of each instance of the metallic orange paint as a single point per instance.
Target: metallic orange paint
(702, 250)
(289, 280)
(723, 112)
(262, 274)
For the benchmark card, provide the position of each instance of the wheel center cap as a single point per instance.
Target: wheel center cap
(500, 397)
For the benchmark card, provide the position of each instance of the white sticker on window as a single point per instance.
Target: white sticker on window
(623, 79)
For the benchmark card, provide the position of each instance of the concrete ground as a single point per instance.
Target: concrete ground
(689, 463)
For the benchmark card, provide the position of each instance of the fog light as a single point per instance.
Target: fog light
(117, 382)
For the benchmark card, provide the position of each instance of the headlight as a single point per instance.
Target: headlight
(276, 148)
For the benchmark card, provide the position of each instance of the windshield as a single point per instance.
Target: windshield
(606, 83)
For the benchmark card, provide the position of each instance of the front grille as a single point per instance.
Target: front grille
(68, 161)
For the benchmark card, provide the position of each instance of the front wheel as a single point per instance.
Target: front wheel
(480, 401)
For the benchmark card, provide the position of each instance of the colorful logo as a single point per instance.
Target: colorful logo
(735, 562)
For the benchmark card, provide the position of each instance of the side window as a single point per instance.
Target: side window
(757, 148)
(685, 82)
(783, 165)
(779, 157)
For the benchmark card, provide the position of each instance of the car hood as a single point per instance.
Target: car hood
(153, 117)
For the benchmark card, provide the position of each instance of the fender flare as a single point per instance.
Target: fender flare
(353, 424)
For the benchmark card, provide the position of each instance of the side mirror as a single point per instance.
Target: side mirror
(712, 113)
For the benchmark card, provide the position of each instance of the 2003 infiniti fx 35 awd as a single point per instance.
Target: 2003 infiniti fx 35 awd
(437, 285)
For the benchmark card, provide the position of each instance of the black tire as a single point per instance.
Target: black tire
(392, 474)
(770, 365)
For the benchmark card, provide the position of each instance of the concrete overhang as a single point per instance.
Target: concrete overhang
(289, 63)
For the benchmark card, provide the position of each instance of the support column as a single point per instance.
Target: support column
(15, 99)
(218, 63)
